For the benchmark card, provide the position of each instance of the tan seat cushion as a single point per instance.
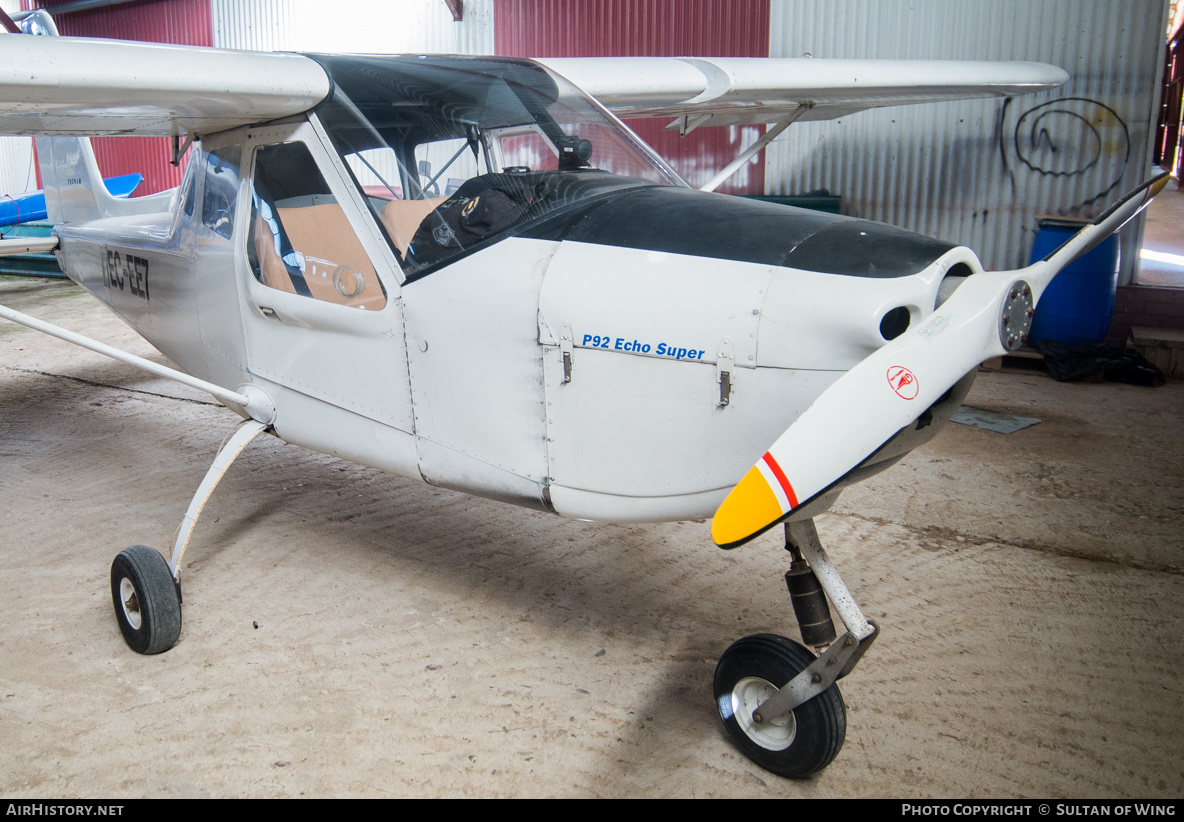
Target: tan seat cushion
(402, 218)
(324, 236)
(272, 271)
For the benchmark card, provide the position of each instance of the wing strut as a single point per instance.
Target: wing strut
(252, 399)
(27, 245)
(748, 153)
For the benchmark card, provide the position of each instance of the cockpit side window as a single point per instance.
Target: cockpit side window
(221, 190)
(300, 239)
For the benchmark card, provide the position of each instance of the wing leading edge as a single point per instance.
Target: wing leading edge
(73, 86)
(739, 90)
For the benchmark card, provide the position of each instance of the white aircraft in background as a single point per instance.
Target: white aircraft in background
(466, 270)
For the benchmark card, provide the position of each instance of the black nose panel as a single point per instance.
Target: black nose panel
(861, 248)
(722, 226)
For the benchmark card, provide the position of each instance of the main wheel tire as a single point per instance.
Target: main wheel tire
(146, 601)
(798, 744)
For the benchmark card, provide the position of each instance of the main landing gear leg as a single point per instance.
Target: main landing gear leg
(145, 589)
(778, 701)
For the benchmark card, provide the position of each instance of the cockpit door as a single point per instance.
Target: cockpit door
(322, 310)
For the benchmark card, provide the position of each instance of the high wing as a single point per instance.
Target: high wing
(50, 86)
(76, 86)
(737, 90)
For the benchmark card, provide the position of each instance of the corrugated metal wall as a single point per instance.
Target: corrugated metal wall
(358, 27)
(976, 173)
(597, 28)
(18, 169)
(174, 21)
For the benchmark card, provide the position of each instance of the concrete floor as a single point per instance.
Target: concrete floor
(416, 642)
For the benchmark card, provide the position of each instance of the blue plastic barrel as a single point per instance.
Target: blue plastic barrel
(1079, 304)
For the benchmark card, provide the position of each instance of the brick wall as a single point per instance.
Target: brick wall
(1145, 307)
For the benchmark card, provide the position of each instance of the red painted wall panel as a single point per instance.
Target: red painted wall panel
(160, 21)
(657, 28)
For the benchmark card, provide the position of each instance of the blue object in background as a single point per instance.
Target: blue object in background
(1078, 305)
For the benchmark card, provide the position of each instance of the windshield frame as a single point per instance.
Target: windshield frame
(396, 105)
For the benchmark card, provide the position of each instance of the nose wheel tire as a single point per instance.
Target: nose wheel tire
(798, 744)
(147, 602)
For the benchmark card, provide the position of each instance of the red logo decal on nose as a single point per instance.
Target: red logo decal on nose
(903, 382)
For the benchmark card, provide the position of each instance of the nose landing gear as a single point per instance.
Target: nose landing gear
(779, 702)
(797, 743)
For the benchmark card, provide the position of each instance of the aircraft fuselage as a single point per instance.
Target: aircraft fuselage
(596, 344)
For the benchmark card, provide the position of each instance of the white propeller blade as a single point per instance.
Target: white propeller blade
(988, 315)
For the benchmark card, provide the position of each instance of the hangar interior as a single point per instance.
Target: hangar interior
(1028, 583)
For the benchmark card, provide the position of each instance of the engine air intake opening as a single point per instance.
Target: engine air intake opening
(895, 323)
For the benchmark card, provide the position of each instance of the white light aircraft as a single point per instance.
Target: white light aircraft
(466, 270)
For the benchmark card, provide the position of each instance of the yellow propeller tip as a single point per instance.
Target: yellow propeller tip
(753, 505)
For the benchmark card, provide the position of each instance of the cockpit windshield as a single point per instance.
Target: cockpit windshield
(455, 153)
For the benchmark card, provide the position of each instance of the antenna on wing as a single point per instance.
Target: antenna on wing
(38, 21)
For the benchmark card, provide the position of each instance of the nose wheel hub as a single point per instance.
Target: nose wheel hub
(747, 696)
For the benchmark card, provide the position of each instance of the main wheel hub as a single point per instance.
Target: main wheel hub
(130, 602)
